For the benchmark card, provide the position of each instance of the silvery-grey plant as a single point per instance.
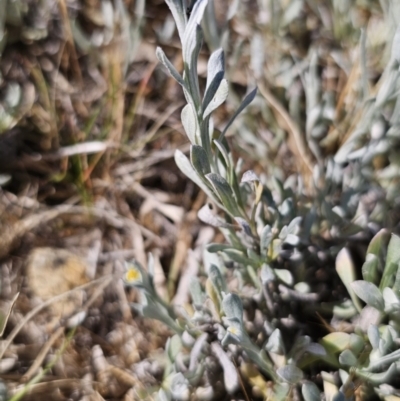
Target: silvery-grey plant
(370, 350)
(367, 352)
(276, 238)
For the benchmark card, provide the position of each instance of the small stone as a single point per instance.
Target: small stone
(51, 272)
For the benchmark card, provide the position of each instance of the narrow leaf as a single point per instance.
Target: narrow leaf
(186, 167)
(379, 378)
(231, 377)
(346, 272)
(215, 74)
(196, 291)
(233, 306)
(370, 269)
(395, 54)
(195, 17)
(189, 122)
(396, 285)
(247, 100)
(191, 50)
(378, 242)
(199, 159)
(266, 238)
(275, 343)
(347, 358)
(173, 347)
(392, 262)
(225, 193)
(212, 248)
(369, 293)
(179, 15)
(310, 392)
(392, 302)
(373, 336)
(294, 226)
(224, 153)
(206, 215)
(220, 96)
(238, 256)
(191, 44)
(169, 66)
(290, 373)
(217, 280)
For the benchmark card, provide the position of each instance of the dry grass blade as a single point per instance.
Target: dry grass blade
(42, 355)
(70, 42)
(300, 148)
(150, 160)
(28, 224)
(4, 316)
(33, 384)
(79, 149)
(6, 343)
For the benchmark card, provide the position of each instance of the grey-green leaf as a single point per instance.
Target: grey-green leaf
(179, 14)
(347, 358)
(292, 240)
(220, 96)
(215, 247)
(392, 262)
(231, 378)
(373, 336)
(224, 152)
(267, 274)
(379, 378)
(232, 306)
(275, 343)
(246, 101)
(369, 293)
(199, 159)
(217, 279)
(265, 239)
(225, 193)
(195, 17)
(215, 74)
(285, 276)
(186, 167)
(310, 392)
(395, 54)
(179, 387)
(392, 302)
(294, 226)
(290, 373)
(196, 291)
(237, 256)
(189, 122)
(346, 271)
(206, 215)
(315, 349)
(173, 347)
(169, 66)
(370, 268)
